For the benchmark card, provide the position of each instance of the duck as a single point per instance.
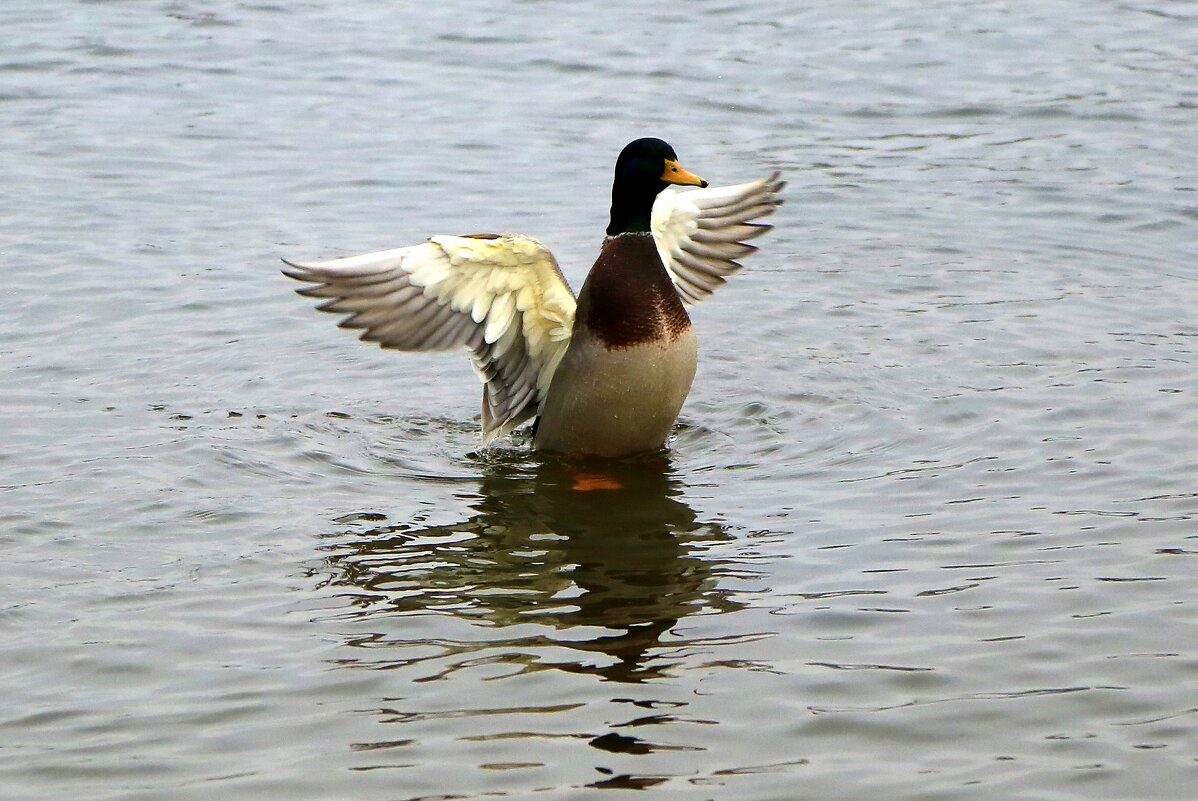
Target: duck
(603, 374)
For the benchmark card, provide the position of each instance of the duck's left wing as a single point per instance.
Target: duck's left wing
(701, 233)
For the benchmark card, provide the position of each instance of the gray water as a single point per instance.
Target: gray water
(926, 529)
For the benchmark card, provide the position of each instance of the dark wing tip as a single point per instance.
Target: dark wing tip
(297, 271)
(310, 291)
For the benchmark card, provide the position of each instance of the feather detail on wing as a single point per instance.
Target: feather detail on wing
(501, 297)
(701, 233)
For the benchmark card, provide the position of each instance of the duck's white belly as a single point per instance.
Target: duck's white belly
(619, 401)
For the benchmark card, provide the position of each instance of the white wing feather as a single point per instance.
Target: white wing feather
(701, 233)
(501, 297)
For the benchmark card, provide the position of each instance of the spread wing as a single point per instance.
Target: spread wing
(502, 297)
(700, 234)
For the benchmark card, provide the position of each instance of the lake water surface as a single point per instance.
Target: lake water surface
(928, 527)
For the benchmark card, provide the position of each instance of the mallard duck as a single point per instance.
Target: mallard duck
(604, 375)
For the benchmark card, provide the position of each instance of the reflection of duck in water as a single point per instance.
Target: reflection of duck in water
(603, 551)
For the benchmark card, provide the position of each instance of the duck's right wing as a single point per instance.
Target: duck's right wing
(701, 233)
(502, 297)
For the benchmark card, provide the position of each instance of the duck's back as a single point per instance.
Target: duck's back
(631, 359)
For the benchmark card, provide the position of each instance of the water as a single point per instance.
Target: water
(925, 531)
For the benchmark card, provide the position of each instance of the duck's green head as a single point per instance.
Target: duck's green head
(644, 168)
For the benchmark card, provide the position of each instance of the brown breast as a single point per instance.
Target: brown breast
(628, 298)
